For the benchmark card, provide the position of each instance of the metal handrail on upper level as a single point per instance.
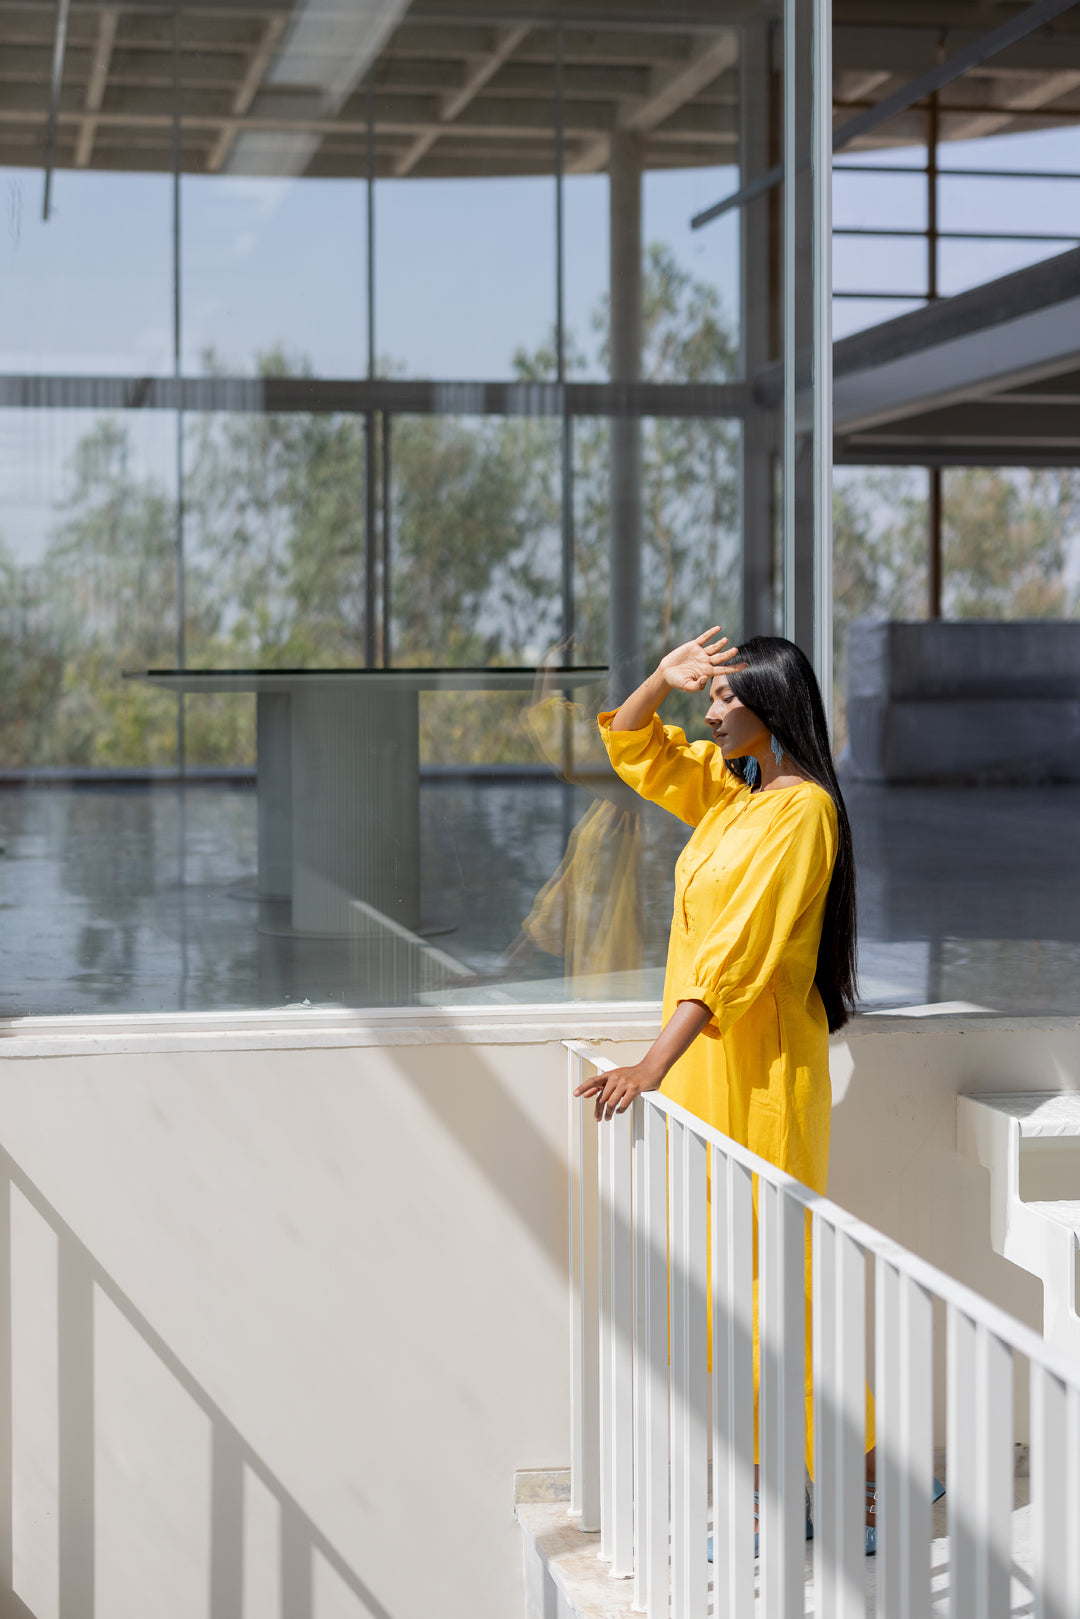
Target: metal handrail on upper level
(664, 1212)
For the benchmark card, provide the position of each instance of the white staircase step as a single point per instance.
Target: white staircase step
(1041, 1237)
(1064, 1212)
(1038, 1113)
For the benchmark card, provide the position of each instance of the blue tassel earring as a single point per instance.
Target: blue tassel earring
(750, 772)
(777, 750)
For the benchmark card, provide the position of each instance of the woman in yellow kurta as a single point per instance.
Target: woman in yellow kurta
(761, 961)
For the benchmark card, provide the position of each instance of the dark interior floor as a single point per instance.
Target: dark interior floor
(135, 898)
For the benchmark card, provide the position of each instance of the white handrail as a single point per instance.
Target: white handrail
(670, 1276)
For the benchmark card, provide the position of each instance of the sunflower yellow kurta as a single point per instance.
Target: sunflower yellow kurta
(750, 891)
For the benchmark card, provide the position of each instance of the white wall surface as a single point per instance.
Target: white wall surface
(312, 1297)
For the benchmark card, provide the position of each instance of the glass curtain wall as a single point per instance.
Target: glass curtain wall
(373, 415)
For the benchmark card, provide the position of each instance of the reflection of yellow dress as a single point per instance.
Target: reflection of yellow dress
(589, 911)
(750, 890)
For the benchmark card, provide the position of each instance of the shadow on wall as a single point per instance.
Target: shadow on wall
(48, 1523)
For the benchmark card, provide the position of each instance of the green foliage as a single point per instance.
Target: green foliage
(1004, 543)
(274, 546)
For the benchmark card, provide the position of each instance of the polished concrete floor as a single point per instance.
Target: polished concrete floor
(125, 898)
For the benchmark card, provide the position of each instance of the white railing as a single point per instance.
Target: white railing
(661, 1237)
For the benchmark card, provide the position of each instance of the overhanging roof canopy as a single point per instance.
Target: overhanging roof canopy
(989, 377)
(467, 87)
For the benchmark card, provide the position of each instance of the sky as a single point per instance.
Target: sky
(465, 274)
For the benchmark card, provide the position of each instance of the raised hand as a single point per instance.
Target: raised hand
(690, 667)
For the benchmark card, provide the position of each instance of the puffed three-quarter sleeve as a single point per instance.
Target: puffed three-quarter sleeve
(773, 910)
(657, 761)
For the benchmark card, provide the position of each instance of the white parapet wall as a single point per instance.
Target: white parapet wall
(311, 1285)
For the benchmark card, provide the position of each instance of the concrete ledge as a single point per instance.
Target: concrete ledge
(564, 1578)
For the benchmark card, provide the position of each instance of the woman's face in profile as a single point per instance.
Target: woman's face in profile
(736, 729)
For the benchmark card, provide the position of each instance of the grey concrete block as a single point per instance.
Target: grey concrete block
(964, 701)
(1007, 740)
(964, 658)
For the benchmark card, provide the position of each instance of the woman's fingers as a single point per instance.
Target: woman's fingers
(699, 640)
(591, 1086)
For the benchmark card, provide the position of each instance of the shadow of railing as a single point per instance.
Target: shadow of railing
(80, 1280)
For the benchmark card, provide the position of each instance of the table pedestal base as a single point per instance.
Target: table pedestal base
(355, 807)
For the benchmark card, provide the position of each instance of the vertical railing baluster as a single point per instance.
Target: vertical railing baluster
(641, 1359)
(604, 1168)
(696, 1404)
(1071, 1494)
(826, 1421)
(589, 1262)
(887, 1428)
(1051, 1530)
(732, 1215)
(850, 1360)
(678, 1312)
(994, 1499)
(574, 1068)
(839, 1348)
(657, 1352)
(961, 1441)
(916, 1446)
(621, 1542)
(781, 1401)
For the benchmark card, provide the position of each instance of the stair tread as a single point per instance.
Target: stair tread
(1039, 1113)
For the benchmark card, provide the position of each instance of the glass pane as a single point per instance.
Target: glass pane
(88, 291)
(88, 589)
(494, 243)
(274, 273)
(969, 264)
(880, 264)
(887, 201)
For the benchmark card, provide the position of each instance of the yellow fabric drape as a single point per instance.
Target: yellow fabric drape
(750, 891)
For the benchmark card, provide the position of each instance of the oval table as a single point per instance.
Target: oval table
(338, 778)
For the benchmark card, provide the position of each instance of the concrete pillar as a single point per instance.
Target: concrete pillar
(759, 251)
(624, 621)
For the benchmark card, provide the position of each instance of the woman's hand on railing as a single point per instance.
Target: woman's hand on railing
(616, 1090)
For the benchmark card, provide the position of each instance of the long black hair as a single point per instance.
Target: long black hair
(780, 686)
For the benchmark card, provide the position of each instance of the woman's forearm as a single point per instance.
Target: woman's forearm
(616, 1089)
(638, 709)
(678, 1035)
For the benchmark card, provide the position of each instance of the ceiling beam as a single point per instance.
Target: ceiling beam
(671, 88)
(95, 84)
(1037, 95)
(453, 105)
(246, 91)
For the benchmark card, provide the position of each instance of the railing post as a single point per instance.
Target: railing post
(905, 1443)
(621, 1406)
(603, 1247)
(839, 1351)
(1053, 1530)
(654, 1482)
(781, 1400)
(575, 1268)
(689, 1374)
(584, 1306)
(732, 1243)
